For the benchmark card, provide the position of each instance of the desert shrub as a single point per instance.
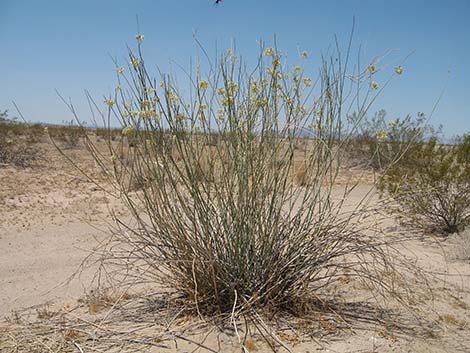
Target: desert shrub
(13, 127)
(16, 146)
(3, 116)
(221, 220)
(378, 142)
(69, 134)
(108, 133)
(35, 133)
(432, 185)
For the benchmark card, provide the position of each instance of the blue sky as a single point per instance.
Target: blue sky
(66, 45)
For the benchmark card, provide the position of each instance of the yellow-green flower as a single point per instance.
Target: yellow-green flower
(229, 52)
(399, 70)
(220, 114)
(296, 68)
(200, 111)
(269, 51)
(226, 101)
(179, 117)
(392, 124)
(314, 127)
(371, 68)
(381, 135)
(221, 91)
(118, 88)
(203, 84)
(307, 81)
(128, 130)
(304, 54)
(276, 62)
(119, 69)
(233, 86)
(135, 62)
(262, 102)
(139, 37)
(374, 85)
(109, 102)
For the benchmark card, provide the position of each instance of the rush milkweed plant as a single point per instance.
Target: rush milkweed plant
(210, 177)
(221, 217)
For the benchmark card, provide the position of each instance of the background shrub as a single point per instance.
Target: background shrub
(17, 142)
(69, 134)
(378, 142)
(432, 185)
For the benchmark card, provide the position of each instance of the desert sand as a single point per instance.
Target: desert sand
(51, 216)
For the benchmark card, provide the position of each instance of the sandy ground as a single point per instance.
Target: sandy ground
(50, 217)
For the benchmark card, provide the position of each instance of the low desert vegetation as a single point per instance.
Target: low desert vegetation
(379, 142)
(428, 180)
(69, 134)
(17, 142)
(431, 185)
(108, 133)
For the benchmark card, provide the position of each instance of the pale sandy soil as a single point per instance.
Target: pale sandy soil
(50, 217)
